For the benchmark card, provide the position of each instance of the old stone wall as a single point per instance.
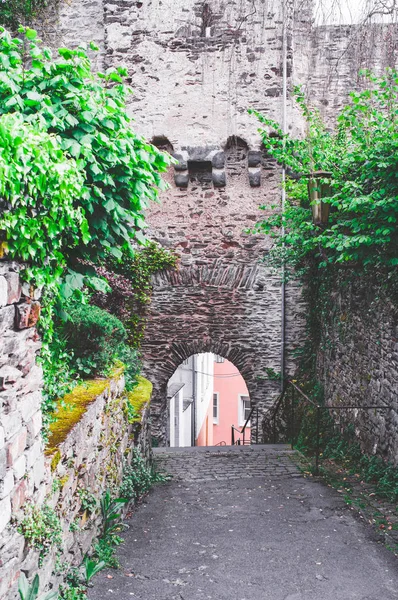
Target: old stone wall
(88, 445)
(87, 450)
(195, 68)
(357, 361)
(21, 451)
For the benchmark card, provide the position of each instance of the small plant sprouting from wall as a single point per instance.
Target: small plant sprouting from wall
(88, 501)
(137, 478)
(41, 528)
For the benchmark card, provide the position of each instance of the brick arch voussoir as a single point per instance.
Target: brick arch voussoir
(221, 275)
(169, 358)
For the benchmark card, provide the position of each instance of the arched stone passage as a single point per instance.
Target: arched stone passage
(228, 309)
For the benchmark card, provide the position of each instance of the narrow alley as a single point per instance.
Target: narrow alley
(242, 523)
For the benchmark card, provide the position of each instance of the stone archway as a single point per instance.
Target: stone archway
(229, 309)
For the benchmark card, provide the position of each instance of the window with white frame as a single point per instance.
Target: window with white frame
(216, 408)
(218, 359)
(244, 409)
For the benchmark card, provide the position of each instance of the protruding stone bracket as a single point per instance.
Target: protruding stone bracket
(217, 159)
(254, 167)
(212, 155)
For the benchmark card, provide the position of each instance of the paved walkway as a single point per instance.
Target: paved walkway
(242, 524)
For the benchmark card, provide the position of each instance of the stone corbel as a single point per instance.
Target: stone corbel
(218, 169)
(181, 175)
(254, 167)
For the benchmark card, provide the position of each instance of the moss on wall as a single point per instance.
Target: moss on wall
(140, 397)
(73, 407)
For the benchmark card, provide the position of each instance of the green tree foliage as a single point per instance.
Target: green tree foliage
(40, 189)
(361, 153)
(116, 175)
(74, 183)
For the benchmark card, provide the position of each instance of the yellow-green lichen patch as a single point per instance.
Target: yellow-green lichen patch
(139, 397)
(72, 408)
(55, 460)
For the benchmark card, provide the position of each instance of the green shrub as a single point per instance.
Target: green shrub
(95, 337)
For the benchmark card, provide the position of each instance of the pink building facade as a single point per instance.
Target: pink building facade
(231, 402)
(206, 395)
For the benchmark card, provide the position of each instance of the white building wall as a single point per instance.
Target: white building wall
(197, 375)
(205, 379)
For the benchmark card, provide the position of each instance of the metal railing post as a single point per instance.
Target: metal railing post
(318, 438)
(292, 421)
(257, 426)
(232, 436)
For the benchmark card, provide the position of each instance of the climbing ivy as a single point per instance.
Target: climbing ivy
(130, 282)
(361, 153)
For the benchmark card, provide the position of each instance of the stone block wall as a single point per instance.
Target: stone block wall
(22, 469)
(87, 448)
(81, 461)
(357, 362)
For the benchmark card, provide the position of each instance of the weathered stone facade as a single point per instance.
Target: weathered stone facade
(358, 362)
(22, 469)
(85, 455)
(195, 69)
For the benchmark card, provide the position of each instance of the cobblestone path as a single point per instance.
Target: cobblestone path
(225, 462)
(243, 524)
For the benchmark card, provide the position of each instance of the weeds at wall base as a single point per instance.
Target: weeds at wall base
(362, 498)
(138, 479)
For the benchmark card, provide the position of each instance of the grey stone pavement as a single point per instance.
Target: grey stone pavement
(243, 524)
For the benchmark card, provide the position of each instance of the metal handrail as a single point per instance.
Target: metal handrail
(279, 401)
(318, 407)
(242, 431)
